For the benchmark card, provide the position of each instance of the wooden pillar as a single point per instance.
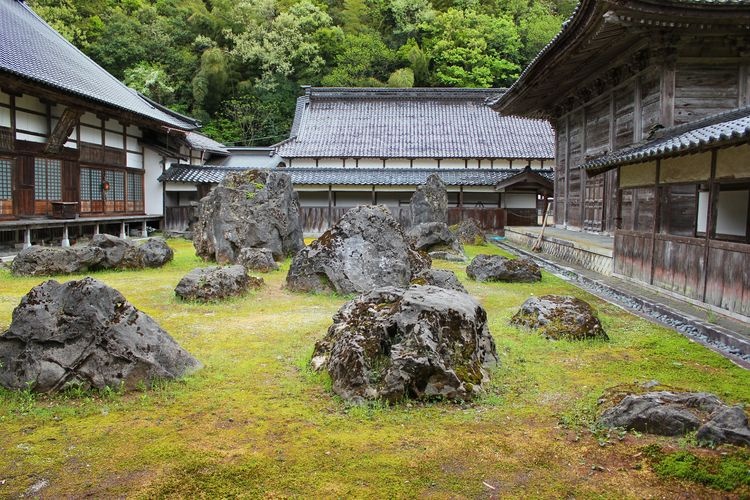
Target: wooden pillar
(123, 235)
(657, 220)
(710, 223)
(144, 229)
(96, 229)
(460, 203)
(65, 239)
(330, 205)
(584, 174)
(637, 114)
(27, 237)
(567, 171)
(373, 197)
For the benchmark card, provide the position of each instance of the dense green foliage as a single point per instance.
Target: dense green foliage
(238, 65)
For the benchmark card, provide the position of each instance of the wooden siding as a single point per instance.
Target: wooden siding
(633, 252)
(702, 90)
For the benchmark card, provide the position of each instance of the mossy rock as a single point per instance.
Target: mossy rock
(560, 317)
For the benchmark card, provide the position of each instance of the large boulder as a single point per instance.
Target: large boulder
(429, 203)
(250, 209)
(422, 342)
(678, 413)
(213, 283)
(118, 253)
(257, 259)
(365, 250)
(437, 240)
(469, 232)
(155, 252)
(47, 261)
(498, 268)
(560, 317)
(85, 333)
(440, 278)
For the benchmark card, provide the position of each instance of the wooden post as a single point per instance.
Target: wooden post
(96, 229)
(373, 197)
(657, 220)
(710, 223)
(566, 202)
(65, 239)
(330, 205)
(123, 235)
(460, 203)
(144, 229)
(27, 237)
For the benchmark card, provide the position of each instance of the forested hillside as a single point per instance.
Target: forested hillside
(238, 65)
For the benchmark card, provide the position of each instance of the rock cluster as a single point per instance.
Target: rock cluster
(207, 284)
(560, 317)
(678, 413)
(365, 250)
(250, 209)
(437, 240)
(257, 259)
(103, 252)
(422, 342)
(85, 333)
(469, 232)
(498, 268)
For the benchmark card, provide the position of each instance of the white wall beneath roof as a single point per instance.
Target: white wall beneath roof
(152, 188)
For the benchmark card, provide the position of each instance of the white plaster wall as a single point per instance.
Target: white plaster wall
(353, 198)
(392, 198)
(4, 117)
(113, 139)
(519, 200)
(731, 213)
(488, 199)
(134, 160)
(31, 123)
(370, 163)
(313, 198)
(91, 135)
(4, 98)
(330, 163)
(152, 188)
(91, 119)
(452, 163)
(133, 144)
(397, 163)
(30, 102)
(425, 163)
(134, 131)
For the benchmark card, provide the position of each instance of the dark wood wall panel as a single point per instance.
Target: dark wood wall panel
(650, 100)
(624, 105)
(560, 171)
(702, 90)
(678, 265)
(597, 128)
(633, 257)
(728, 280)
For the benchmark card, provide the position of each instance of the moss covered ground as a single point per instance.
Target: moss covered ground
(256, 422)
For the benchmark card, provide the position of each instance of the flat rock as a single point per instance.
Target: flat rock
(498, 268)
(365, 250)
(429, 203)
(441, 278)
(85, 333)
(560, 317)
(678, 413)
(250, 209)
(423, 342)
(257, 259)
(213, 283)
(47, 261)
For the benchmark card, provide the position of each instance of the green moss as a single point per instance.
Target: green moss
(727, 472)
(256, 421)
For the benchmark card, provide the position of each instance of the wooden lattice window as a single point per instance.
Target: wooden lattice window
(116, 185)
(6, 173)
(47, 179)
(135, 187)
(91, 184)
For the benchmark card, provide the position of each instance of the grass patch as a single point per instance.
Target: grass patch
(727, 472)
(256, 421)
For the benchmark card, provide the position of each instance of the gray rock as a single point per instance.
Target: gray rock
(257, 259)
(213, 283)
(118, 253)
(429, 203)
(677, 413)
(469, 232)
(365, 250)
(440, 278)
(85, 333)
(498, 268)
(422, 342)
(46, 261)
(155, 252)
(251, 209)
(436, 239)
(727, 425)
(560, 317)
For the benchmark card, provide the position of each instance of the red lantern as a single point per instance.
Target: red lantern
(105, 186)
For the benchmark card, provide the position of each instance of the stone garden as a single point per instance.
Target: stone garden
(361, 345)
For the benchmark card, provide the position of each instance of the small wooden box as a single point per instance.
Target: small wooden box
(64, 209)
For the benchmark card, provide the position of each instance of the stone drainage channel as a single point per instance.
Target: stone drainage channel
(719, 339)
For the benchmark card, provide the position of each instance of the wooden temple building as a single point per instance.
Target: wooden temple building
(359, 146)
(79, 151)
(649, 100)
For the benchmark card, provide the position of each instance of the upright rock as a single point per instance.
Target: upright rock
(498, 268)
(85, 333)
(251, 209)
(429, 203)
(560, 317)
(423, 342)
(365, 250)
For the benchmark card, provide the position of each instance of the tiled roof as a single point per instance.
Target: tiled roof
(411, 123)
(355, 176)
(201, 142)
(31, 49)
(725, 127)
